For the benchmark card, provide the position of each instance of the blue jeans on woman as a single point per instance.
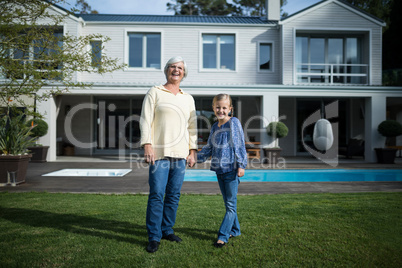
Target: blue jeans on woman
(165, 180)
(229, 184)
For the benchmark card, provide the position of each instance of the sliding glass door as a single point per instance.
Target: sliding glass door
(117, 123)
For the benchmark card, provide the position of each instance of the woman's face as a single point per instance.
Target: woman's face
(175, 72)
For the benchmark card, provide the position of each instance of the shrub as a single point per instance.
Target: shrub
(390, 128)
(277, 130)
(40, 127)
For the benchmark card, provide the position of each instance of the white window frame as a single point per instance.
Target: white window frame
(30, 58)
(127, 52)
(271, 70)
(201, 48)
(297, 30)
(90, 51)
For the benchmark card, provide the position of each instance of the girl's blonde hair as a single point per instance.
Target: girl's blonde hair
(223, 96)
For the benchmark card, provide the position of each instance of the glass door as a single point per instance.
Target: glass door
(117, 123)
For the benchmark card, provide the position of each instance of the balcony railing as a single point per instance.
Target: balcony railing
(321, 73)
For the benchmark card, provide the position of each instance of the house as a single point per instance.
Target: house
(326, 57)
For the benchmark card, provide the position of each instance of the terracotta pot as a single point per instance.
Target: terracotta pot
(17, 164)
(39, 153)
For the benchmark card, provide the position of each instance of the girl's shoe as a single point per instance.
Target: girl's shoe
(219, 245)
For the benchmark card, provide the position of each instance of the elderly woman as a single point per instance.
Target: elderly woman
(168, 135)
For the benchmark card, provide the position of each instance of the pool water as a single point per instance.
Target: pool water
(304, 175)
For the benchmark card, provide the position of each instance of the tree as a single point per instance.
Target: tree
(35, 53)
(84, 8)
(379, 8)
(389, 12)
(392, 58)
(255, 7)
(252, 7)
(203, 7)
(218, 8)
(184, 7)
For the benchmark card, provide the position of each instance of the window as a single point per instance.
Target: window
(218, 51)
(144, 50)
(265, 57)
(42, 54)
(20, 53)
(96, 53)
(330, 60)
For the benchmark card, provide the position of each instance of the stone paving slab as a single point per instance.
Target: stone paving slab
(136, 182)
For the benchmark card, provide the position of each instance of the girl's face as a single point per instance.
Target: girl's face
(222, 109)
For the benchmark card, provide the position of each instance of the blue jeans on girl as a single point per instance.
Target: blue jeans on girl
(229, 183)
(165, 179)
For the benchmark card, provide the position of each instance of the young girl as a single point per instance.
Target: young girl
(229, 159)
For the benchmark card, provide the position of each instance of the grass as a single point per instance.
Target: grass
(294, 230)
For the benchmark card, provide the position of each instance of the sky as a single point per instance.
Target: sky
(158, 7)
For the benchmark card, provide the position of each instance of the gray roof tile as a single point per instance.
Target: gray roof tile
(175, 19)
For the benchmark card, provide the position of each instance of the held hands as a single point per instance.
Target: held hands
(191, 158)
(149, 155)
(240, 172)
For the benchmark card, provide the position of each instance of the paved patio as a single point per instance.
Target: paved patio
(137, 180)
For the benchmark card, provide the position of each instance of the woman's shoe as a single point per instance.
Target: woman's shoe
(172, 237)
(153, 246)
(219, 245)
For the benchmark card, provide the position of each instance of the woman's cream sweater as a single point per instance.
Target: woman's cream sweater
(169, 123)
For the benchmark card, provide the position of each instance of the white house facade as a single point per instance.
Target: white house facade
(325, 56)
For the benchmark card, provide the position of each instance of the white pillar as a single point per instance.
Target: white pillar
(399, 119)
(270, 113)
(375, 113)
(48, 110)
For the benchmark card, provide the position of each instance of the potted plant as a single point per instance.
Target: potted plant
(388, 129)
(14, 142)
(39, 129)
(276, 130)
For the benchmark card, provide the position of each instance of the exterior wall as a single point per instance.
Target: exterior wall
(265, 102)
(376, 57)
(185, 40)
(333, 17)
(280, 52)
(25, 99)
(71, 26)
(262, 94)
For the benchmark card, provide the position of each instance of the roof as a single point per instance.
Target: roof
(341, 1)
(175, 19)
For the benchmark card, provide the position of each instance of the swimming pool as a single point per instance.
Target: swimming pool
(304, 175)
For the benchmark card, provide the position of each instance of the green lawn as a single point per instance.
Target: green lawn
(294, 230)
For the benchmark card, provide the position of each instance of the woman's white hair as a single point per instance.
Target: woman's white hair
(174, 60)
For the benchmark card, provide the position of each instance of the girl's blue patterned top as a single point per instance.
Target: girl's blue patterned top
(226, 146)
